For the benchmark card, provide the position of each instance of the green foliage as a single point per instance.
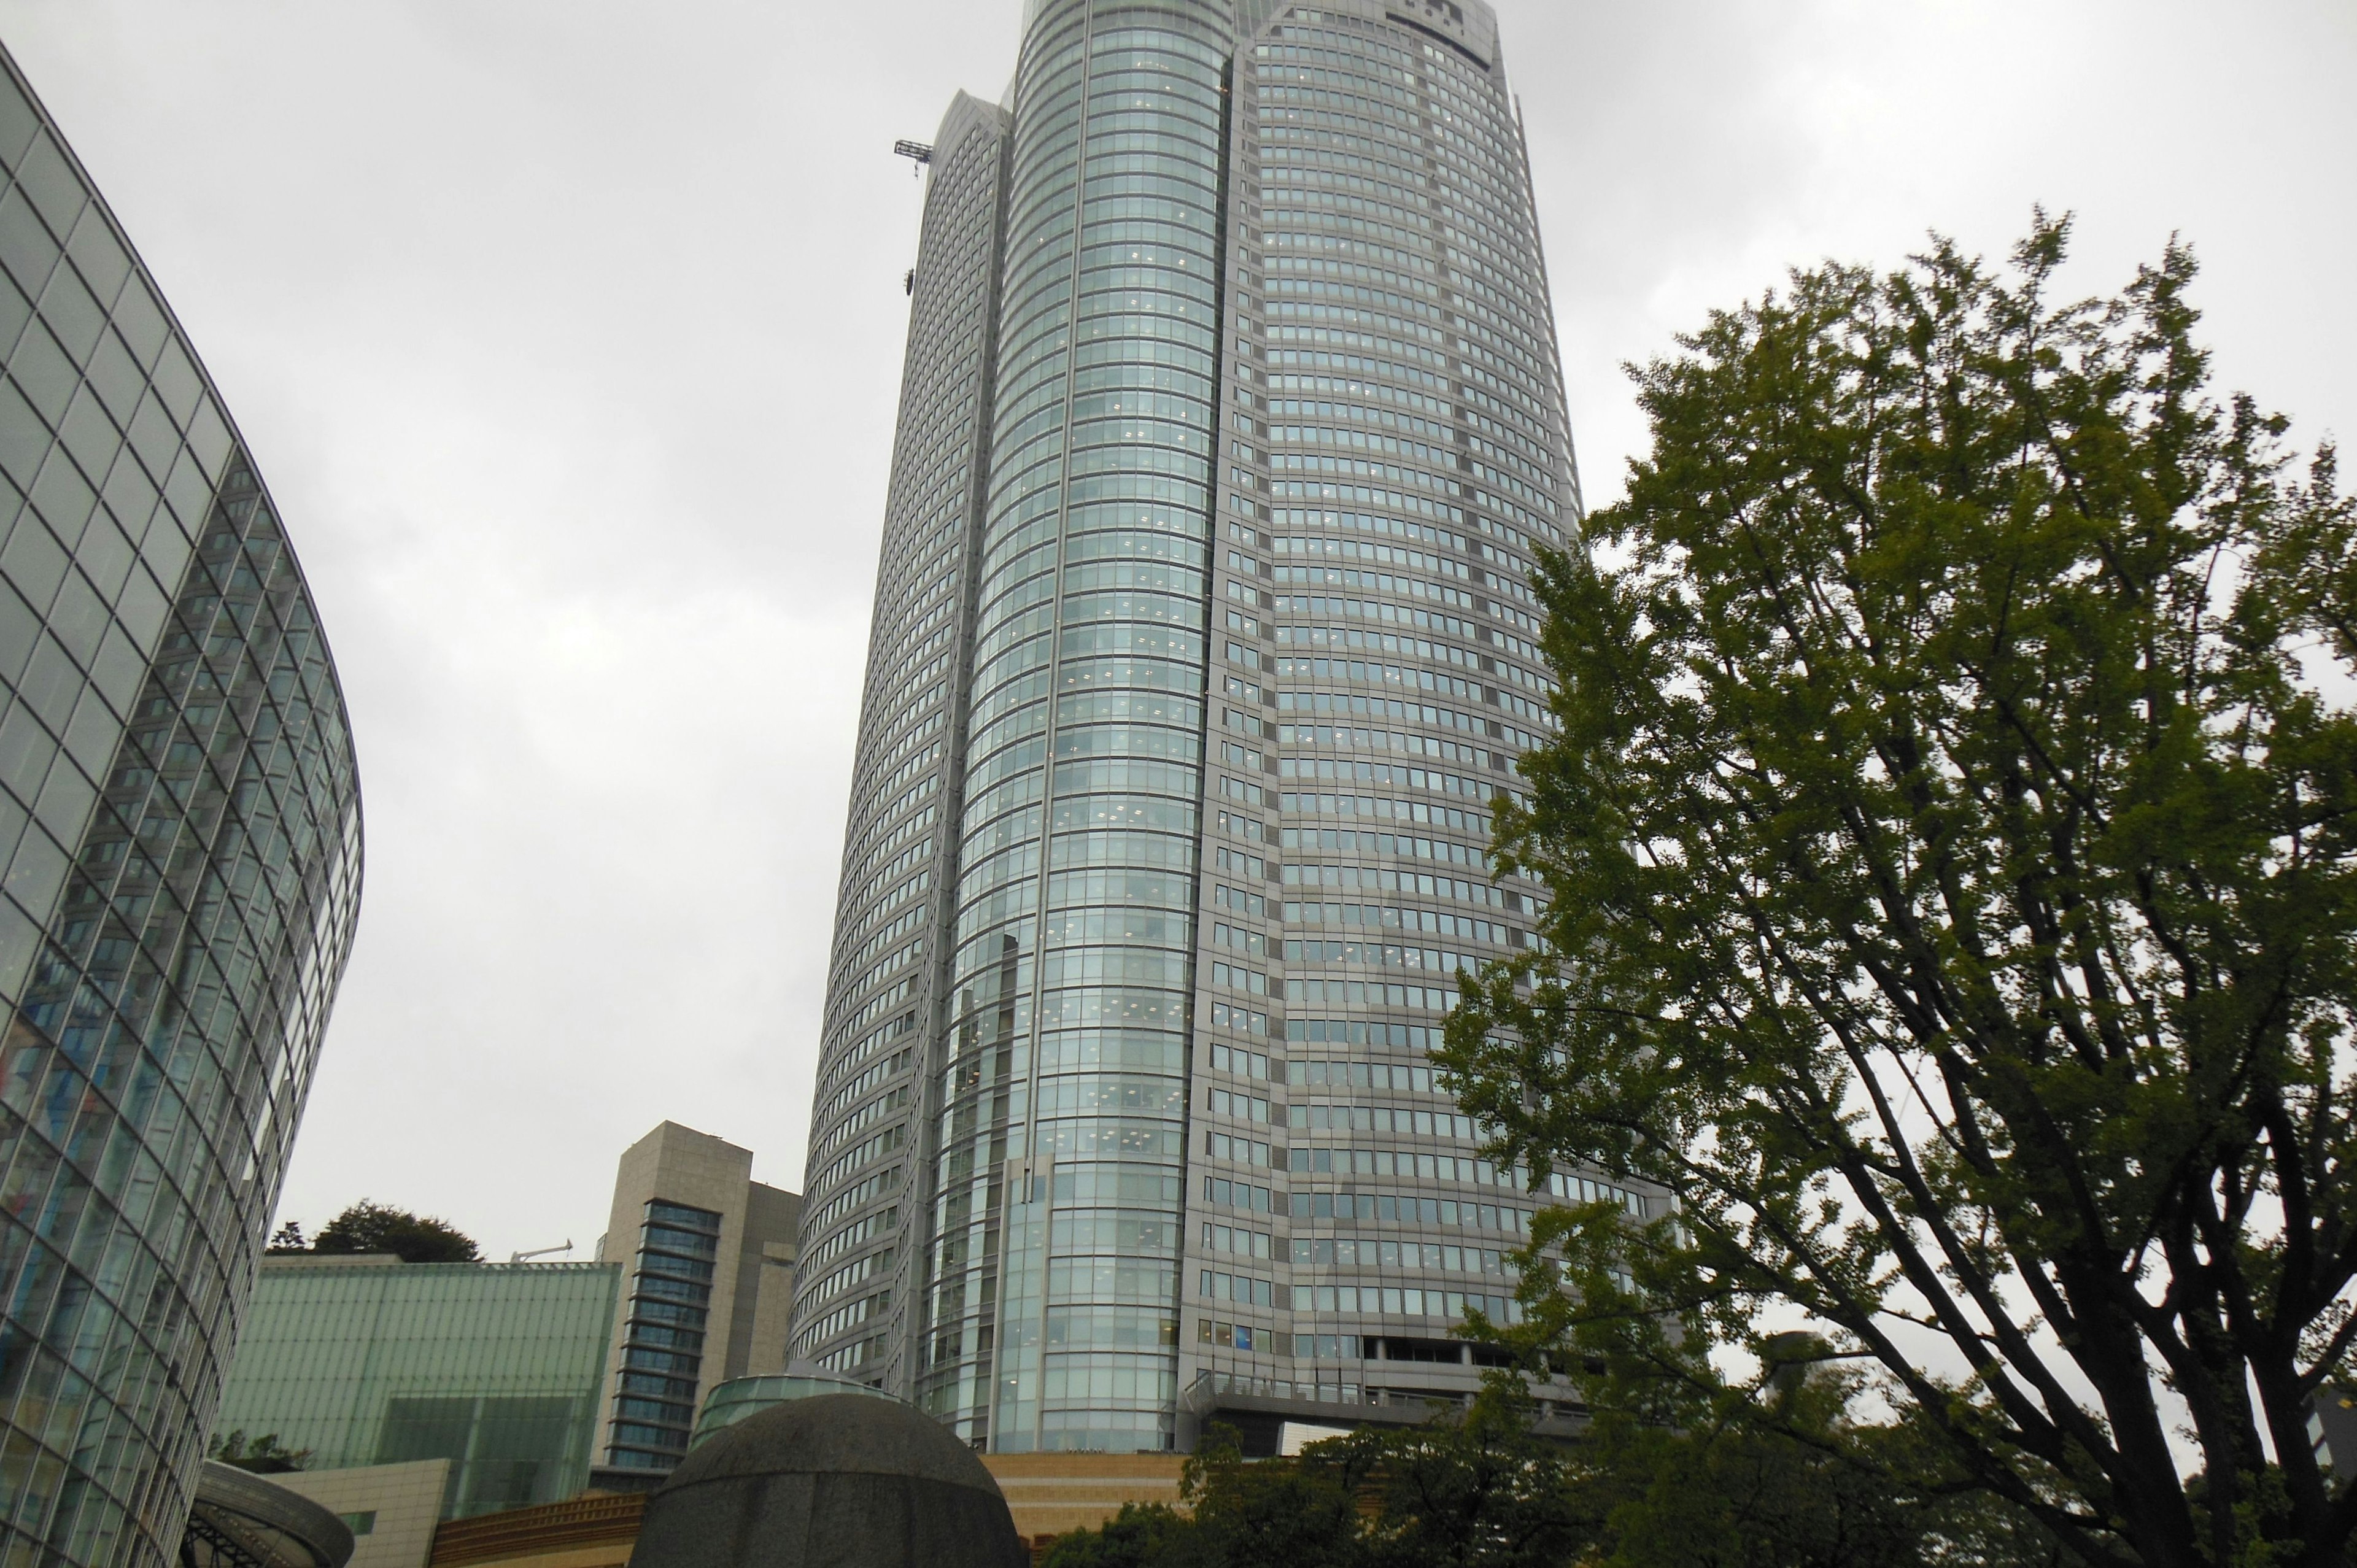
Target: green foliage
(1141, 1535)
(1304, 1515)
(1483, 1492)
(1953, 902)
(1476, 1493)
(263, 1456)
(1782, 1477)
(368, 1227)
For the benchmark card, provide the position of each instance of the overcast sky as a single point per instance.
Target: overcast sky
(567, 334)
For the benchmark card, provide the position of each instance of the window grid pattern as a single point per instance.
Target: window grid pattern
(179, 817)
(1062, 1133)
(869, 1128)
(1393, 444)
(667, 1302)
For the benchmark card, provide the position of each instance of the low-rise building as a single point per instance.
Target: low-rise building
(391, 1510)
(365, 1361)
(1048, 1494)
(238, 1519)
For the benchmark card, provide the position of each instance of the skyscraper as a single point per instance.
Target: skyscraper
(1232, 415)
(180, 814)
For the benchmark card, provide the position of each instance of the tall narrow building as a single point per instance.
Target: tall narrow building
(708, 1258)
(179, 811)
(1233, 414)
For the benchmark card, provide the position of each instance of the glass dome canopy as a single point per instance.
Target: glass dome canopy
(732, 1402)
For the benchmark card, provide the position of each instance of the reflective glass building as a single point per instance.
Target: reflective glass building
(1232, 413)
(498, 1368)
(179, 819)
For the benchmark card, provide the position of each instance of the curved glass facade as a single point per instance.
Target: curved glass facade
(854, 1299)
(1065, 1100)
(1275, 423)
(180, 814)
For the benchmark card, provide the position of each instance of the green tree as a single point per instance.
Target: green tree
(1142, 1535)
(1476, 1491)
(1480, 1491)
(1236, 1514)
(371, 1227)
(1282, 1514)
(1782, 1477)
(263, 1456)
(1949, 843)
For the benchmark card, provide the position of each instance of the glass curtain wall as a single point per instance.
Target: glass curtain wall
(180, 814)
(1054, 1308)
(670, 1301)
(855, 1300)
(1398, 446)
(494, 1367)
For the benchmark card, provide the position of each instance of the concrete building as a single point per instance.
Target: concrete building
(1231, 420)
(496, 1369)
(179, 873)
(708, 1258)
(392, 1510)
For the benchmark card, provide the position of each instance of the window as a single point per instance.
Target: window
(680, 1214)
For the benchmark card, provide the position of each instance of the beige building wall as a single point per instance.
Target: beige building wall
(1051, 1494)
(765, 1278)
(773, 1308)
(596, 1530)
(393, 1508)
(752, 1274)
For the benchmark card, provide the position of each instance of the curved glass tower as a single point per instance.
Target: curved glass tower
(854, 1292)
(179, 817)
(1067, 1032)
(1274, 421)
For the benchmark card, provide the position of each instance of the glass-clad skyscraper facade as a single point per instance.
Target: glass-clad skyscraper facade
(179, 818)
(1274, 421)
(855, 1293)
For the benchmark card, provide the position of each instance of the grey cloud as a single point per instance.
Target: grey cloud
(568, 337)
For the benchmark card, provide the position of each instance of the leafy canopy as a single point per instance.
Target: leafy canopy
(371, 1227)
(1480, 1491)
(1952, 899)
(263, 1456)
